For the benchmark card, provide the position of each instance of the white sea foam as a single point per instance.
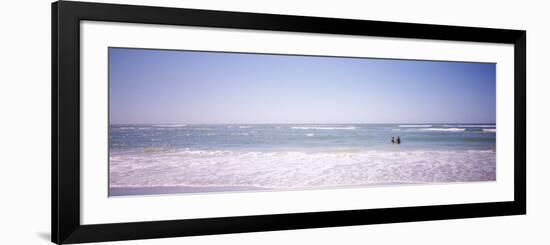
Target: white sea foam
(310, 135)
(415, 126)
(294, 169)
(240, 134)
(444, 129)
(324, 128)
(490, 130)
(469, 126)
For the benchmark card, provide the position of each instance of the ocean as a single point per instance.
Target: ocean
(170, 158)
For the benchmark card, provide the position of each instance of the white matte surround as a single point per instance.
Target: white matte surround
(96, 207)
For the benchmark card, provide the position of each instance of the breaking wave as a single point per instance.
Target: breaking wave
(444, 129)
(324, 128)
(415, 126)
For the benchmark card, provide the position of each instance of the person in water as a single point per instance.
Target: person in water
(398, 140)
(393, 140)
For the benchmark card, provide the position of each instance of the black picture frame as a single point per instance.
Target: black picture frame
(65, 167)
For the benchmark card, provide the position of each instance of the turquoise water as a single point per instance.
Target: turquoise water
(304, 137)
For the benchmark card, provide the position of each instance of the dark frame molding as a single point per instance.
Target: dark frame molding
(65, 167)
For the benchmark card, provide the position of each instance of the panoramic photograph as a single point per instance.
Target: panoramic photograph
(184, 122)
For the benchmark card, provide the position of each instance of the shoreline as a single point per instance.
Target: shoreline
(158, 190)
(199, 190)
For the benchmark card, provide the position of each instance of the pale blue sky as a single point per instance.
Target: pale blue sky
(166, 86)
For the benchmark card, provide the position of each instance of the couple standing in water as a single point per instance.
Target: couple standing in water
(393, 140)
